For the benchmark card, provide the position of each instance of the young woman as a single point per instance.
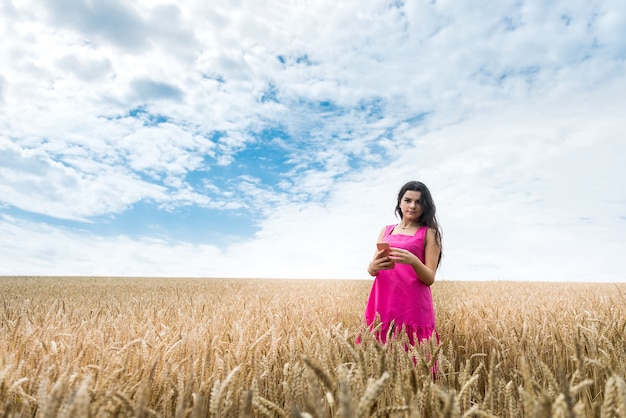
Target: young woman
(401, 291)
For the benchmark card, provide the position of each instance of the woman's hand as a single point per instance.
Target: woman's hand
(399, 255)
(381, 261)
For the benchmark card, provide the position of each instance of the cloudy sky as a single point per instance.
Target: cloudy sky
(263, 138)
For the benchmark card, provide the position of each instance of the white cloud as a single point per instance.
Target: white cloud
(509, 111)
(85, 68)
(164, 150)
(46, 250)
(33, 182)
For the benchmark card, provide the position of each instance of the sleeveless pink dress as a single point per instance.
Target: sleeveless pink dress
(398, 295)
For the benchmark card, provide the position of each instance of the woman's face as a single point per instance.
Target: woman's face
(409, 205)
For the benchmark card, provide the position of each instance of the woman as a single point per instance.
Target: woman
(401, 291)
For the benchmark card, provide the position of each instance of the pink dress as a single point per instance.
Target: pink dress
(398, 295)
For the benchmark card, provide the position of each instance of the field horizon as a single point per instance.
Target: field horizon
(364, 279)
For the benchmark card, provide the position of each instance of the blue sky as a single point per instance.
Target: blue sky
(269, 138)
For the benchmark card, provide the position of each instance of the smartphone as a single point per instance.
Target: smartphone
(383, 246)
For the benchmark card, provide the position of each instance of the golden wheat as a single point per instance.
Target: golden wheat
(144, 347)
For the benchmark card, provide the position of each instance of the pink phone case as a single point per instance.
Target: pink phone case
(382, 246)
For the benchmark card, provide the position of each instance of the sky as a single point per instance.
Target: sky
(269, 139)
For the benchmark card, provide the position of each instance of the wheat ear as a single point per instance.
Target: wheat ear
(372, 392)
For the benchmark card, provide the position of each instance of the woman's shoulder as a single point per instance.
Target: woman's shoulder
(386, 230)
(430, 236)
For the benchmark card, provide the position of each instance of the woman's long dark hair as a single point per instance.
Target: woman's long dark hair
(428, 216)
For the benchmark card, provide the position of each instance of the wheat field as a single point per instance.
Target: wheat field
(157, 347)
